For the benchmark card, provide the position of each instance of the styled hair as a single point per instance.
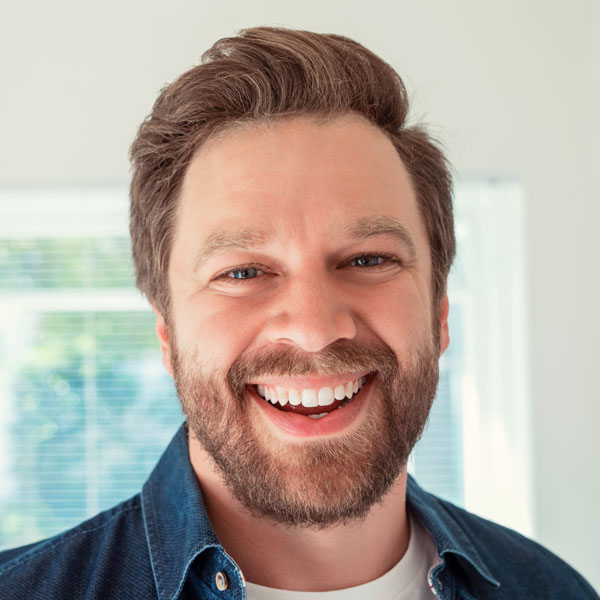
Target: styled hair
(260, 75)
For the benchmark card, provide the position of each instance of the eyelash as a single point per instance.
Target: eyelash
(234, 280)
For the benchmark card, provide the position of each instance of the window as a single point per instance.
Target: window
(475, 450)
(86, 408)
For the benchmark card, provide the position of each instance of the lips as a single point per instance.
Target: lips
(300, 421)
(296, 425)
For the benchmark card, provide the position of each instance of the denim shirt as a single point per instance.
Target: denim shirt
(160, 545)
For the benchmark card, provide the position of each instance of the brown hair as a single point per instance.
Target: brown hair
(262, 74)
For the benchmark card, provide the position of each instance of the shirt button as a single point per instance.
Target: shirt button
(221, 581)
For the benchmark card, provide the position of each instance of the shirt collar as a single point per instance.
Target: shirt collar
(176, 522)
(444, 528)
(178, 529)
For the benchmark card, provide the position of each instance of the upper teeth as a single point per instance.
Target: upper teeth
(310, 397)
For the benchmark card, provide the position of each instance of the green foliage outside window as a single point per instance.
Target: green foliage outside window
(90, 406)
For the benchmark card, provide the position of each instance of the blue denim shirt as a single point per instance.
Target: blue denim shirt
(160, 545)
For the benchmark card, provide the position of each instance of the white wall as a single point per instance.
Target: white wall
(513, 87)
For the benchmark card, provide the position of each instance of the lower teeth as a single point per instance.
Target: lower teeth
(317, 416)
(344, 403)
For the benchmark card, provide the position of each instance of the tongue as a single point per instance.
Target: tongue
(312, 410)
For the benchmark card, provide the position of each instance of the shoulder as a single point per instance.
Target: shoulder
(517, 562)
(100, 558)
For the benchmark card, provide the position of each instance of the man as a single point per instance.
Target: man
(294, 237)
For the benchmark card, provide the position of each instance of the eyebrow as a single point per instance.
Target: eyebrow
(367, 227)
(238, 239)
(246, 239)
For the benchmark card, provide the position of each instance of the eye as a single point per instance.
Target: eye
(239, 274)
(366, 261)
(244, 273)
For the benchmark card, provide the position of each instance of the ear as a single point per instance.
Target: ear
(444, 335)
(162, 332)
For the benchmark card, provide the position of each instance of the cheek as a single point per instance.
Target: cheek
(218, 328)
(399, 317)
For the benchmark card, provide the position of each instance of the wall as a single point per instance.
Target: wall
(509, 86)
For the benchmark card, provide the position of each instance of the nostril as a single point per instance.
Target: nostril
(311, 328)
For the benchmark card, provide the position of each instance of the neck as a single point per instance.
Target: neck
(306, 559)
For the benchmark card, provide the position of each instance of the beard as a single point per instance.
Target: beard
(316, 482)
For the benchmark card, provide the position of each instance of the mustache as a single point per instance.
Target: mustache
(340, 357)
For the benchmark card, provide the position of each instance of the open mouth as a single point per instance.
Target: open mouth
(315, 403)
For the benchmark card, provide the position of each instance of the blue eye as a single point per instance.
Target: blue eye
(372, 261)
(243, 273)
(369, 260)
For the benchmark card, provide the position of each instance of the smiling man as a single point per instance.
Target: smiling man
(300, 243)
(294, 237)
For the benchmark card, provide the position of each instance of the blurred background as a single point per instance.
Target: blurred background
(511, 89)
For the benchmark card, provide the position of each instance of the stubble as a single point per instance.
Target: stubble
(315, 483)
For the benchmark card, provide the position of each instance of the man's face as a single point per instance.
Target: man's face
(300, 272)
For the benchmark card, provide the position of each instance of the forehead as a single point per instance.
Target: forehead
(295, 180)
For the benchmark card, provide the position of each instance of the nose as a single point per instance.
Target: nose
(310, 313)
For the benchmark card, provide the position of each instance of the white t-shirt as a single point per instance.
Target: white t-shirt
(407, 580)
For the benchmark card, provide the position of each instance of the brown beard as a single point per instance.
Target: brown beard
(317, 483)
